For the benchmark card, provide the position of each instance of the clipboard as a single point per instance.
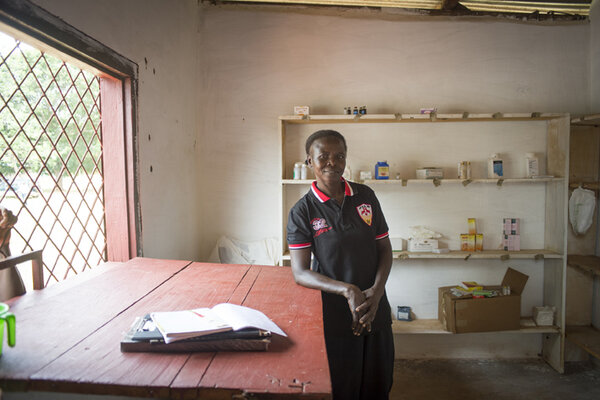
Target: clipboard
(143, 336)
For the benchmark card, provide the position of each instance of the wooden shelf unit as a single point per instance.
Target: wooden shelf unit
(586, 337)
(553, 188)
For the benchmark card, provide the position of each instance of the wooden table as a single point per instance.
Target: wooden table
(68, 334)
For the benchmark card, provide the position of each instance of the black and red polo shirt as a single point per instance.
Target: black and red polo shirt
(342, 239)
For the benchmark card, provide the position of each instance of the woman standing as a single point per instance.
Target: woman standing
(342, 225)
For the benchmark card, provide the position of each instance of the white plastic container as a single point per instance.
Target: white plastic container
(298, 170)
(495, 167)
(303, 171)
(532, 165)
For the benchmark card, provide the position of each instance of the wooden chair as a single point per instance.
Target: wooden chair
(11, 284)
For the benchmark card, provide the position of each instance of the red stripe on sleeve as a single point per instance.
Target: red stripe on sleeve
(298, 246)
(382, 236)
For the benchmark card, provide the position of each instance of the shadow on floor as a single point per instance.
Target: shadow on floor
(493, 380)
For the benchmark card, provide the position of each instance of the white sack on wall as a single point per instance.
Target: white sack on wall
(581, 210)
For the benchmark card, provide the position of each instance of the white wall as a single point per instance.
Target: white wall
(258, 64)
(161, 37)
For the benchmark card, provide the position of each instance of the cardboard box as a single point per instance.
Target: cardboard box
(472, 226)
(467, 242)
(430, 173)
(301, 110)
(500, 313)
(511, 226)
(424, 245)
(479, 242)
(511, 242)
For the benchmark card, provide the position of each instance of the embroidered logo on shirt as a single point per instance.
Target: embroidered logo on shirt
(320, 226)
(366, 213)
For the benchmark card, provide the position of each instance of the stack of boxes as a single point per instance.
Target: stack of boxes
(511, 234)
(471, 241)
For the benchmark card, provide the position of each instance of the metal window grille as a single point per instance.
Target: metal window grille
(51, 173)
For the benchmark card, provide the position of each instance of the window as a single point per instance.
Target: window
(67, 143)
(51, 172)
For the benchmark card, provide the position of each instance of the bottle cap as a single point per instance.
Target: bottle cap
(530, 155)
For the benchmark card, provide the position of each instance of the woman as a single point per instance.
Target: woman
(341, 223)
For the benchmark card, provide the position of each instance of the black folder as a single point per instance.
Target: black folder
(141, 338)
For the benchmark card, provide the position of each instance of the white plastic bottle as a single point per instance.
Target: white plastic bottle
(532, 165)
(303, 171)
(297, 170)
(495, 167)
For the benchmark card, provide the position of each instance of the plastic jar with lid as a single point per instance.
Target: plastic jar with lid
(298, 170)
(532, 165)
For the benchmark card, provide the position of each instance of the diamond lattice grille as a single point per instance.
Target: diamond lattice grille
(51, 159)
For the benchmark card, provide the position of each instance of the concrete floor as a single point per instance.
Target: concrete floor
(493, 380)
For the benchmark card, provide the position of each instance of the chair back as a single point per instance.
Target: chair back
(11, 284)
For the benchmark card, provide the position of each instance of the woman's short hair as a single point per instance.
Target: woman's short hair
(323, 134)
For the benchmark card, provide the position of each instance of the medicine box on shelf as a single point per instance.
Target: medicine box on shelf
(468, 314)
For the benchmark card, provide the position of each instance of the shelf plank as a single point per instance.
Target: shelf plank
(430, 181)
(486, 254)
(593, 119)
(434, 326)
(586, 337)
(463, 181)
(401, 118)
(589, 264)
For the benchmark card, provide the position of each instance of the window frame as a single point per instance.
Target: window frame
(118, 85)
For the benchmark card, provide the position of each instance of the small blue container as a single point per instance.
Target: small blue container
(382, 170)
(404, 313)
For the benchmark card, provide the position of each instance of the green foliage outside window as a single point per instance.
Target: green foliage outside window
(49, 114)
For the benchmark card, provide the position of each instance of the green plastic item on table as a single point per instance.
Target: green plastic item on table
(10, 324)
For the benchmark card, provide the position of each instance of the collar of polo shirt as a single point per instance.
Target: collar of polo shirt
(323, 197)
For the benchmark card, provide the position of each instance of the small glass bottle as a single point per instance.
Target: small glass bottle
(355, 110)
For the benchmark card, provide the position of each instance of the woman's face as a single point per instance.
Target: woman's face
(327, 158)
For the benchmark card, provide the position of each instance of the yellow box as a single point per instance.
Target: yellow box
(472, 226)
(467, 242)
(479, 242)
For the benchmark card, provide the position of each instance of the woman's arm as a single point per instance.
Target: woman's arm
(375, 292)
(314, 280)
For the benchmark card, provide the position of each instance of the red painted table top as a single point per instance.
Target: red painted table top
(68, 334)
